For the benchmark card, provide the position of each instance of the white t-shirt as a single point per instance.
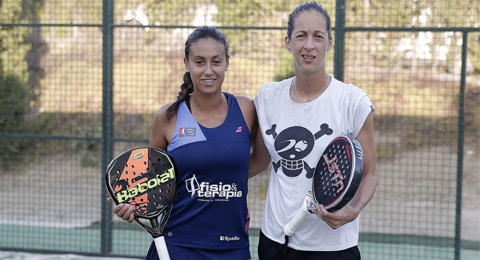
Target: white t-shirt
(295, 136)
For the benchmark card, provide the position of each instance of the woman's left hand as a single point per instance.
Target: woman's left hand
(337, 218)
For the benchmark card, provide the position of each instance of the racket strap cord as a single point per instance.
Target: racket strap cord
(285, 246)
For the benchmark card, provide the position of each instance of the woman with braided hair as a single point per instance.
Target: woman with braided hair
(207, 134)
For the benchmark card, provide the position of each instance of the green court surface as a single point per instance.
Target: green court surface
(84, 243)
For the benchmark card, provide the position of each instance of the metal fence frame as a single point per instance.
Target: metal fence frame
(107, 138)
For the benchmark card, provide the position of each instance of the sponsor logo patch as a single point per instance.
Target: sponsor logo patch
(228, 239)
(206, 191)
(186, 131)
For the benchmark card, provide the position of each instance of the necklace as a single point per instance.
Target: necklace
(306, 109)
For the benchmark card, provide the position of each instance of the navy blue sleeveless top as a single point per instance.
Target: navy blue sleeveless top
(211, 164)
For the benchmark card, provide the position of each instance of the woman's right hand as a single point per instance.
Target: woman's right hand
(123, 211)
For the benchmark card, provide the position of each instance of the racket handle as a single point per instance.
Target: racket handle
(301, 214)
(161, 247)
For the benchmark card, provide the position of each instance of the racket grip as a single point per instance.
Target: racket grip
(298, 218)
(161, 247)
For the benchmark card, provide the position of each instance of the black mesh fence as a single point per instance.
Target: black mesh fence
(80, 82)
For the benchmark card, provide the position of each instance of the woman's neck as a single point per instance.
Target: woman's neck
(307, 88)
(207, 102)
(209, 111)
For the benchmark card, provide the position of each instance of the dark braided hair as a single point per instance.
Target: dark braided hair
(186, 89)
(304, 8)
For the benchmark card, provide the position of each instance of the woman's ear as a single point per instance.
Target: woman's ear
(330, 43)
(185, 62)
(287, 44)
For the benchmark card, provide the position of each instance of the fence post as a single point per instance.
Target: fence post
(339, 45)
(461, 126)
(107, 123)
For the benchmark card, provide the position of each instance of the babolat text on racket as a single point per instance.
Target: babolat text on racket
(336, 179)
(144, 177)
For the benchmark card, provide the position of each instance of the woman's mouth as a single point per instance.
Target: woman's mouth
(208, 81)
(308, 57)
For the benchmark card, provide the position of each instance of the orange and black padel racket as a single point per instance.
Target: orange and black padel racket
(144, 177)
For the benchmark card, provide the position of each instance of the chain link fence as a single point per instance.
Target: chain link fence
(80, 82)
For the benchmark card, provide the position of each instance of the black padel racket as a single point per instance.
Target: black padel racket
(144, 177)
(336, 180)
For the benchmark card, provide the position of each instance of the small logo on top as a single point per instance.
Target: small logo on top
(138, 155)
(186, 131)
(239, 130)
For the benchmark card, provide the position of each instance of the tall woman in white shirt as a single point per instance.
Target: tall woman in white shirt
(306, 105)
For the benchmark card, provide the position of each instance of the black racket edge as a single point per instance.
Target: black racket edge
(357, 174)
(107, 175)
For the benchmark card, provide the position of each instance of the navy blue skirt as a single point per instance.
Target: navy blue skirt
(182, 253)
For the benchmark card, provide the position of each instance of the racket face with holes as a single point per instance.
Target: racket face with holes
(143, 177)
(338, 173)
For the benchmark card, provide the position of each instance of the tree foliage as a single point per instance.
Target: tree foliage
(17, 81)
(412, 13)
